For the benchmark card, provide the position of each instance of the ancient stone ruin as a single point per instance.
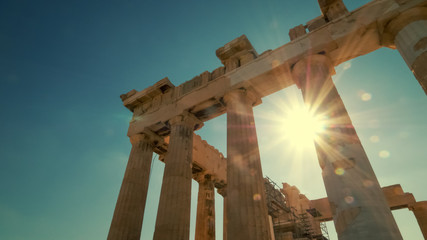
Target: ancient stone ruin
(165, 117)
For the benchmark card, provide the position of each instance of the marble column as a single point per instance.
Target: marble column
(173, 215)
(205, 220)
(129, 211)
(223, 192)
(270, 221)
(420, 212)
(359, 207)
(247, 214)
(408, 33)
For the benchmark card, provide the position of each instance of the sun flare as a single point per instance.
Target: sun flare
(292, 124)
(301, 127)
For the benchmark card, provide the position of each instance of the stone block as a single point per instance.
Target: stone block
(231, 64)
(332, 9)
(217, 73)
(206, 77)
(246, 58)
(128, 94)
(316, 23)
(297, 32)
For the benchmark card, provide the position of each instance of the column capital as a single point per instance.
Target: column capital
(222, 191)
(188, 119)
(240, 94)
(202, 177)
(137, 138)
(391, 27)
(314, 68)
(146, 135)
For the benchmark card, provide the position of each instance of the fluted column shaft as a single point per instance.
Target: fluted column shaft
(409, 34)
(205, 220)
(357, 201)
(129, 211)
(223, 192)
(225, 223)
(247, 214)
(173, 215)
(420, 211)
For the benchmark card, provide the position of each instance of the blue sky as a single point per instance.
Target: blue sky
(63, 143)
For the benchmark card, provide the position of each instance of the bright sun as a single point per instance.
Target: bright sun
(300, 127)
(293, 125)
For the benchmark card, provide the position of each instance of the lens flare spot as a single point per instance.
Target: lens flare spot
(384, 154)
(257, 197)
(366, 97)
(368, 183)
(339, 171)
(374, 139)
(275, 63)
(349, 199)
(347, 65)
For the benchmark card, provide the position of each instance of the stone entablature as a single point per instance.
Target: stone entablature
(352, 35)
(208, 160)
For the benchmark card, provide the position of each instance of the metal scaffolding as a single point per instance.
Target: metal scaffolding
(287, 220)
